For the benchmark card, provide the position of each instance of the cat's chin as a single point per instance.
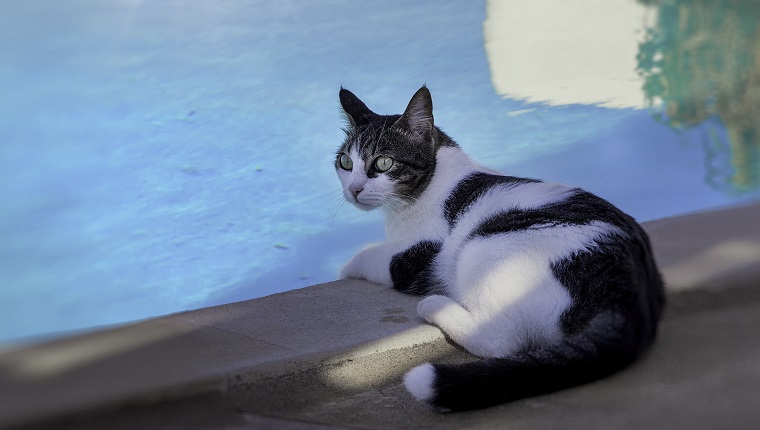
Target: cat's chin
(365, 206)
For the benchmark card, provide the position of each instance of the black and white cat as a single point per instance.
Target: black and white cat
(551, 285)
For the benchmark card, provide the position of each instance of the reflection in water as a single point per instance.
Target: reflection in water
(701, 62)
(563, 53)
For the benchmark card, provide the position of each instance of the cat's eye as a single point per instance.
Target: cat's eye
(345, 162)
(383, 164)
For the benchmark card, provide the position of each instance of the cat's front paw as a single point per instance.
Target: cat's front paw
(371, 263)
(353, 269)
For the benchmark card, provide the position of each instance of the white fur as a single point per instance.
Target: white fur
(373, 263)
(496, 200)
(503, 292)
(424, 219)
(419, 382)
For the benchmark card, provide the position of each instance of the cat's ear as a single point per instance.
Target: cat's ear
(418, 116)
(357, 113)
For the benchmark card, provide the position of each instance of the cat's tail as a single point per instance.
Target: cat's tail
(608, 344)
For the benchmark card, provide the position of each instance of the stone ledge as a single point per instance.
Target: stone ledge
(302, 349)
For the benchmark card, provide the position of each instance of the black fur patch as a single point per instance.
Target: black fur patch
(579, 209)
(471, 188)
(619, 275)
(411, 270)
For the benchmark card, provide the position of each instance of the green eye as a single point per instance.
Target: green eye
(383, 164)
(345, 162)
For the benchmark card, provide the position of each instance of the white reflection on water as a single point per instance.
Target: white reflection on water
(562, 53)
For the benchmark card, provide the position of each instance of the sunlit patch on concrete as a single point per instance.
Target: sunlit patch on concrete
(713, 263)
(56, 358)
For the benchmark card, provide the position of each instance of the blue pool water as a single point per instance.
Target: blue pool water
(160, 156)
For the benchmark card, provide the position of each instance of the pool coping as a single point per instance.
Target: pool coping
(301, 347)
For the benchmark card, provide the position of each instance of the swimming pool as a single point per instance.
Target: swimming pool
(163, 156)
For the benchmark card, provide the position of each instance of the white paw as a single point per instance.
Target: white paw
(353, 269)
(371, 263)
(432, 306)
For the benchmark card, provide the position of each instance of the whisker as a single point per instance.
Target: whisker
(337, 203)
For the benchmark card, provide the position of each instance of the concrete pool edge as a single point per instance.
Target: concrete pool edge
(301, 347)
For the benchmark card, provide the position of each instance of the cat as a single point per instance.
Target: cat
(549, 285)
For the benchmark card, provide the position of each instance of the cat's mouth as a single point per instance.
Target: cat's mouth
(365, 205)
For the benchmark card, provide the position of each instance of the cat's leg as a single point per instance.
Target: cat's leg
(372, 263)
(513, 299)
(459, 324)
(412, 269)
(407, 269)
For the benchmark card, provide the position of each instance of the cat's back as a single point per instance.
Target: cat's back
(564, 232)
(486, 203)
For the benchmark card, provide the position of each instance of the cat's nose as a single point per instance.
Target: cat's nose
(356, 187)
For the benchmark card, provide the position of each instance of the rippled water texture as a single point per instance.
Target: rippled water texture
(159, 156)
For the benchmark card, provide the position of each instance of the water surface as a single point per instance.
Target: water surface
(163, 156)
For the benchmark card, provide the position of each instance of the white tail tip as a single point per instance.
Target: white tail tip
(419, 382)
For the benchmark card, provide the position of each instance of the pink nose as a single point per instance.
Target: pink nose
(355, 191)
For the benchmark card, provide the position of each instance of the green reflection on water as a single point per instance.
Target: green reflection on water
(701, 60)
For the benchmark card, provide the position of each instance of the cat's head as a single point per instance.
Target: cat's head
(386, 159)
